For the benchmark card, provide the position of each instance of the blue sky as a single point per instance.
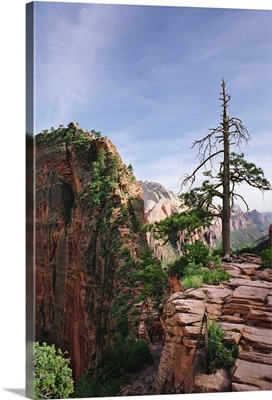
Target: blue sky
(149, 77)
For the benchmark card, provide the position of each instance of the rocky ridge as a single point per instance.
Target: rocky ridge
(88, 212)
(242, 306)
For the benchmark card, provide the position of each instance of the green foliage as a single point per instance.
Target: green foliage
(52, 374)
(151, 275)
(189, 267)
(170, 228)
(215, 275)
(243, 171)
(266, 257)
(131, 354)
(81, 141)
(194, 281)
(221, 355)
(104, 178)
(125, 356)
(195, 257)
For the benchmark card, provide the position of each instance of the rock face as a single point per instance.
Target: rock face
(88, 212)
(242, 306)
(159, 203)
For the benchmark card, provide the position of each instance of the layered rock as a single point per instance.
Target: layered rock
(242, 306)
(88, 214)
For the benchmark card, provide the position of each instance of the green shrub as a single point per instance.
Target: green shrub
(215, 275)
(221, 355)
(151, 275)
(131, 354)
(52, 374)
(127, 355)
(197, 255)
(194, 281)
(266, 257)
(190, 267)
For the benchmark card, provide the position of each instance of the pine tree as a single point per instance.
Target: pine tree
(215, 198)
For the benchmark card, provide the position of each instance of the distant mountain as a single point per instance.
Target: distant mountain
(247, 228)
(262, 220)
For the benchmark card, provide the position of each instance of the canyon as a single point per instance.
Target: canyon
(91, 285)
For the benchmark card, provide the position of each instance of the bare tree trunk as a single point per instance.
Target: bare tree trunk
(226, 183)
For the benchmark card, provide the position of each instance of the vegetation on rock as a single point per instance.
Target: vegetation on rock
(113, 369)
(266, 257)
(221, 355)
(198, 266)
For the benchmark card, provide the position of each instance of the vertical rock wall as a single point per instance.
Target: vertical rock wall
(83, 225)
(242, 307)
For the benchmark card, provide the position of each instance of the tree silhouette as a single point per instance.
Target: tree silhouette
(215, 198)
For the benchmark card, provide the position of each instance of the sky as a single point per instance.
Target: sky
(149, 78)
(12, 160)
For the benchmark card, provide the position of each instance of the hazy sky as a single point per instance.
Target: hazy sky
(148, 77)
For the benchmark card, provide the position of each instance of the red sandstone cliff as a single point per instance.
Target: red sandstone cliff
(242, 307)
(88, 209)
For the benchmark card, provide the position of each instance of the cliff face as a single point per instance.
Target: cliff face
(242, 307)
(159, 203)
(88, 212)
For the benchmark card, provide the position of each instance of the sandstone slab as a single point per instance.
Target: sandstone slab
(259, 337)
(219, 382)
(259, 317)
(253, 374)
(216, 294)
(247, 268)
(249, 292)
(195, 294)
(235, 282)
(189, 306)
(242, 387)
(232, 319)
(249, 353)
(213, 310)
(233, 327)
(186, 319)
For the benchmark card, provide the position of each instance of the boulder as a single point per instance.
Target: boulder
(218, 382)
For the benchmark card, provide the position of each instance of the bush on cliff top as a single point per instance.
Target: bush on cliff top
(52, 374)
(198, 266)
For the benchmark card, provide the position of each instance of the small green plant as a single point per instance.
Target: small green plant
(190, 269)
(52, 374)
(266, 257)
(131, 354)
(194, 281)
(195, 257)
(127, 355)
(221, 355)
(151, 275)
